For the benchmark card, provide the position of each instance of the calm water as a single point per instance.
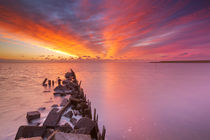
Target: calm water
(134, 100)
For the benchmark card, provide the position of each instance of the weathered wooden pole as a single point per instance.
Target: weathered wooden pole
(49, 83)
(97, 118)
(94, 117)
(44, 82)
(59, 81)
(103, 133)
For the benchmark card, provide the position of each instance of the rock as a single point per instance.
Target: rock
(59, 93)
(68, 75)
(46, 91)
(65, 128)
(70, 136)
(73, 107)
(74, 101)
(33, 138)
(69, 114)
(30, 131)
(78, 107)
(42, 108)
(32, 115)
(52, 119)
(59, 88)
(83, 105)
(88, 125)
(64, 102)
(73, 121)
(55, 105)
(81, 131)
(35, 123)
(87, 112)
(48, 132)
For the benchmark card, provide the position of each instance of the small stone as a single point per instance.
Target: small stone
(66, 128)
(55, 105)
(42, 108)
(73, 121)
(87, 112)
(32, 115)
(83, 105)
(78, 107)
(74, 101)
(69, 114)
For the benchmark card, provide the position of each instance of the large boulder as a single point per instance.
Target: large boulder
(66, 128)
(30, 131)
(88, 125)
(52, 119)
(70, 136)
(33, 138)
(32, 115)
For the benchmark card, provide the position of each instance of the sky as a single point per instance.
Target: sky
(150, 30)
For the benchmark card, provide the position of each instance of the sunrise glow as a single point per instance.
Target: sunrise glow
(136, 29)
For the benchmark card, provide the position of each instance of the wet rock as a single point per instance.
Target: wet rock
(66, 128)
(42, 108)
(74, 101)
(46, 91)
(69, 114)
(32, 115)
(35, 123)
(78, 107)
(59, 88)
(73, 121)
(73, 107)
(88, 125)
(52, 119)
(33, 138)
(68, 75)
(59, 93)
(48, 132)
(81, 131)
(55, 105)
(30, 131)
(87, 112)
(70, 136)
(64, 102)
(83, 105)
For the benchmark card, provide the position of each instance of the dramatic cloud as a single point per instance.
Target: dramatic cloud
(107, 29)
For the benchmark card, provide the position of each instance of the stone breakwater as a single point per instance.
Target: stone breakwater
(72, 120)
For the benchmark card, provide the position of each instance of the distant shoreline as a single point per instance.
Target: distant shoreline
(185, 61)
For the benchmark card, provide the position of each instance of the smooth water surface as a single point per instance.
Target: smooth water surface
(135, 101)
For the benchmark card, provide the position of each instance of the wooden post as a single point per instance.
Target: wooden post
(97, 118)
(44, 82)
(103, 133)
(94, 115)
(49, 83)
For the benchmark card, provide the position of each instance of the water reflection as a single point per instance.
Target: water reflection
(133, 100)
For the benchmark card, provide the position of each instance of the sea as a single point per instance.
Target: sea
(134, 101)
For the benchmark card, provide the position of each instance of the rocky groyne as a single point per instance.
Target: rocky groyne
(72, 120)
